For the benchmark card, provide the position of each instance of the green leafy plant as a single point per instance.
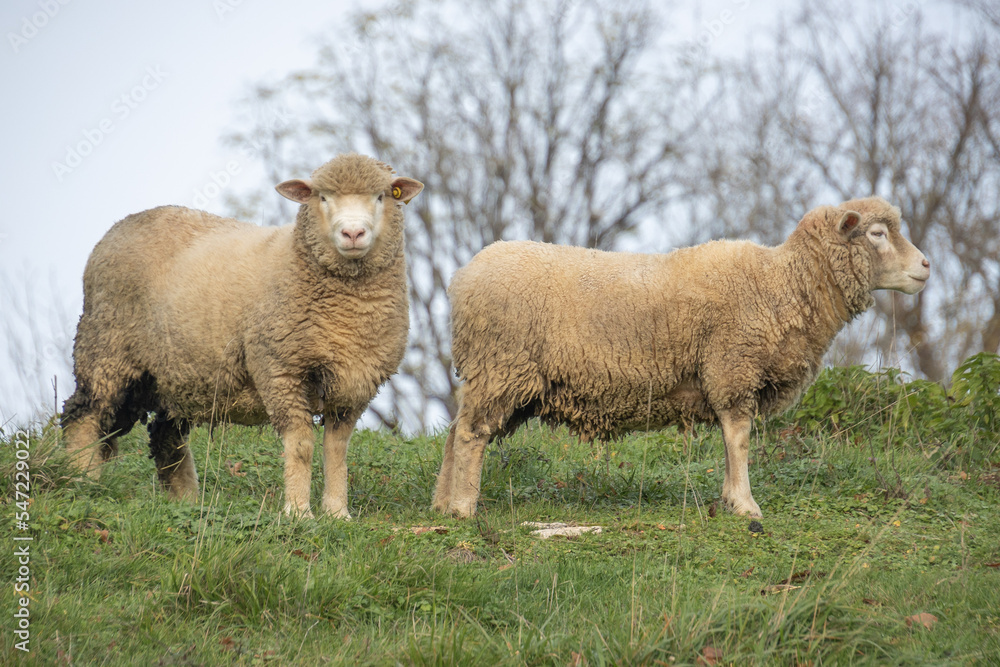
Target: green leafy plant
(975, 388)
(887, 408)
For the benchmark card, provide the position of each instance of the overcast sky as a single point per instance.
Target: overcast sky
(114, 107)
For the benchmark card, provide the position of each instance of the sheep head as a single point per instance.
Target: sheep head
(897, 264)
(864, 249)
(352, 199)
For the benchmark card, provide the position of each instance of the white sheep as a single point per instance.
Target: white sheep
(612, 342)
(202, 319)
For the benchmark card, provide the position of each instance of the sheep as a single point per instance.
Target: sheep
(609, 342)
(201, 319)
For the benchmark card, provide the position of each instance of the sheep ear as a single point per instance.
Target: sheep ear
(405, 189)
(848, 223)
(296, 190)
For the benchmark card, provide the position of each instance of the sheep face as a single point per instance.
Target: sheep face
(900, 265)
(352, 222)
(896, 263)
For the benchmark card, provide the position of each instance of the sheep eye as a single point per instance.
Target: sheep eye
(878, 234)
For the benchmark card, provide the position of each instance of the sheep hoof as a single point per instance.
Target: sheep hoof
(440, 506)
(462, 510)
(298, 512)
(744, 508)
(184, 494)
(342, 513)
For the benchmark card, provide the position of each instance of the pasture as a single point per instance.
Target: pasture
(880, 501)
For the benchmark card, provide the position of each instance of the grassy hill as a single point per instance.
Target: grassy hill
(881, 501)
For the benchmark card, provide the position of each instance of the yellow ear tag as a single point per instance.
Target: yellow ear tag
(397, 193)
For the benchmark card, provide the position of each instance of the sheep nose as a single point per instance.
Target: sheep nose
(926, 263)
(353, 235)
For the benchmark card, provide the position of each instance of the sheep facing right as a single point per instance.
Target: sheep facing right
(609, 342)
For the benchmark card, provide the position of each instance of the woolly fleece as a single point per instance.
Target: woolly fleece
(203, 319)
(612, 342)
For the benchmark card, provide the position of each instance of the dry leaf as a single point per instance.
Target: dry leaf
(924, 619)
(748, 572)
(234, 468)
(709, 656)
(102, 535)
(304, 556)
(713, 509)
(991, 564)
(873, 603)
(799, 577)
(777, 588)
(420, 530)
(228, 643)
(577, 659)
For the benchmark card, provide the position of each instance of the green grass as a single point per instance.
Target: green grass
(873, 525)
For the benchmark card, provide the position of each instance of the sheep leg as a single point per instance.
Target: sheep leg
(442, 491)
(736, 493)
(93, 423)
(298, 441)
(109, 448)
(174, 460)
(336, 435)
(467, 467)
(84, 444)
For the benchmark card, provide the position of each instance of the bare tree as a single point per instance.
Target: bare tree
(524, 120)
(569, 122)
(848, 103)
